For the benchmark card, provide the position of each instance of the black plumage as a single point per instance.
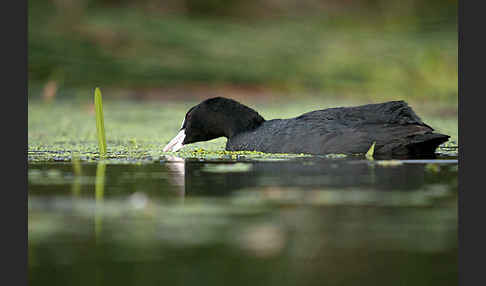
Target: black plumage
(393, 125)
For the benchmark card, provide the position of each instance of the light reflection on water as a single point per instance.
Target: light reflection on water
(302, 221)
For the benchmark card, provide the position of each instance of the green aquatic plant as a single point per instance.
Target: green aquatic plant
(100, 125)
(335, 155)
(371, 151)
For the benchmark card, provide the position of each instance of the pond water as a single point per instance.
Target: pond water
(297, 221)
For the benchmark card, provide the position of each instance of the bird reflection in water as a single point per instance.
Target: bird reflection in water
(177, 174)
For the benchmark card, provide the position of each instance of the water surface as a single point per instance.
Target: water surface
(302, 221)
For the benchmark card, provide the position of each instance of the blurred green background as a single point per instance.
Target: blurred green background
(368, 50)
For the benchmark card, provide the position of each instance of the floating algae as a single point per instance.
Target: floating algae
(389, 163)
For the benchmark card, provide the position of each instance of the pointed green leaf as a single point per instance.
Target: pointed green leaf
(371, 151)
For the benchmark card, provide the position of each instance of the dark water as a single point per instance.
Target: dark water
(297, 222)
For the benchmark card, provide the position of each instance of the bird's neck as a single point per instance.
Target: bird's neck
(242, 121)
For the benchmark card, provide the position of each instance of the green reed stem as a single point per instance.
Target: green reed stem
(100, 125)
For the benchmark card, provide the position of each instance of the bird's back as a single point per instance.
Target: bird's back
(393, 125)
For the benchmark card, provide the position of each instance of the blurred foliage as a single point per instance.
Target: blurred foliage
(368, 48)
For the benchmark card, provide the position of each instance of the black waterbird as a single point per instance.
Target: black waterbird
(393, 125)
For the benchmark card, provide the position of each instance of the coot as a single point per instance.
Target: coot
(393, 125)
